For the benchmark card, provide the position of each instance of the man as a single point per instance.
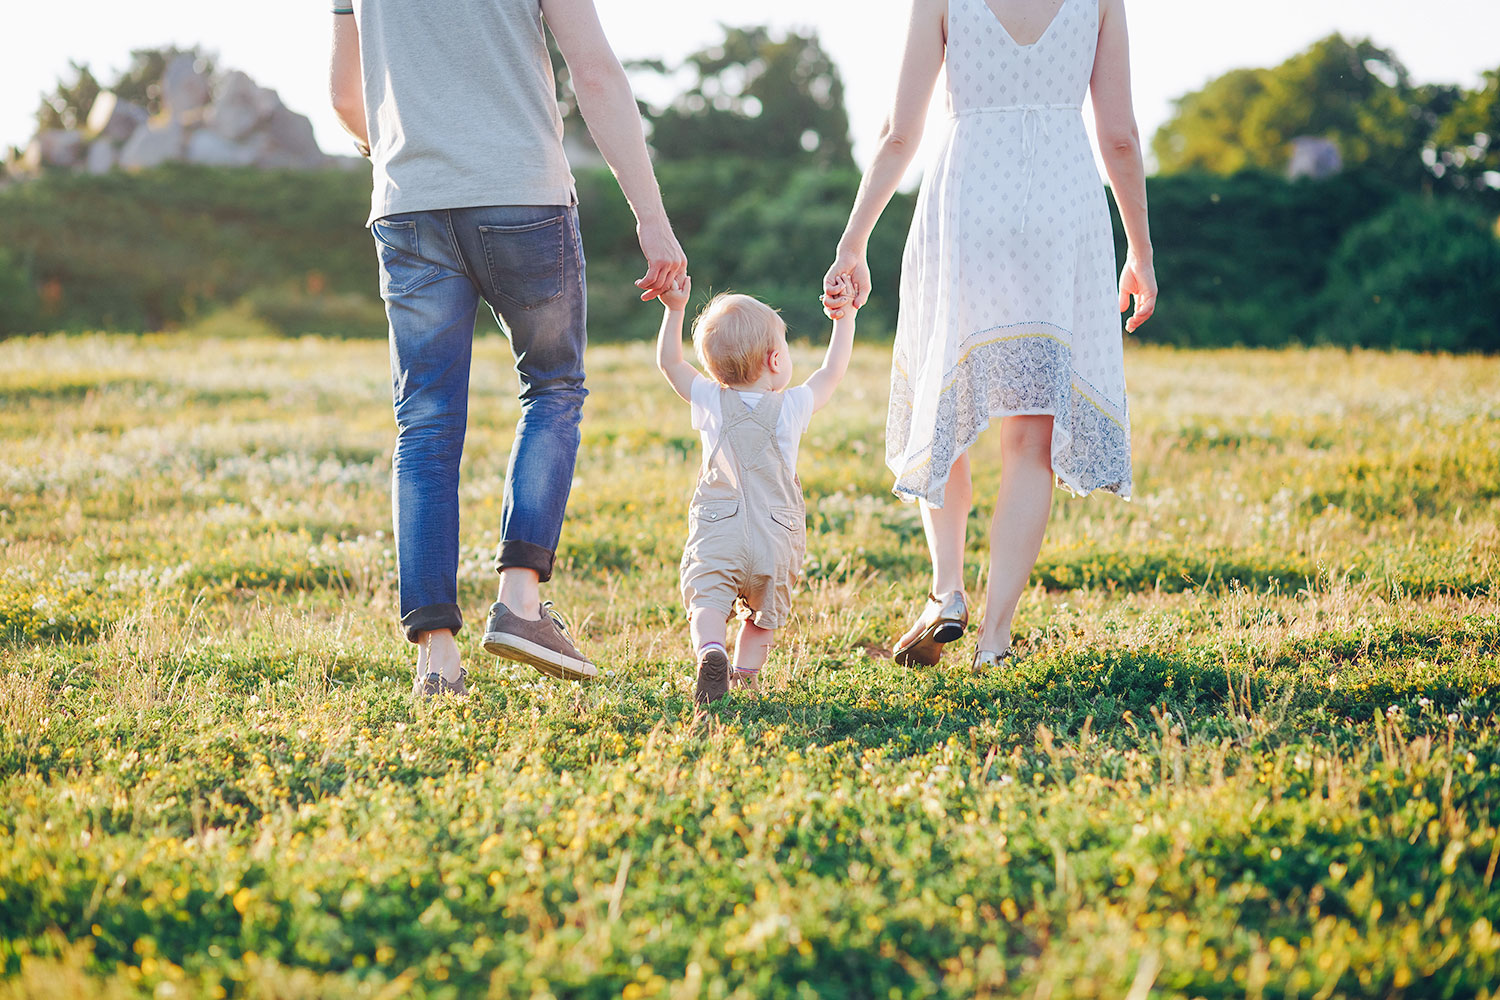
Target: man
(454, 102)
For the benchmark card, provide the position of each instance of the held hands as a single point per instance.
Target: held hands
(665, 261)
(675, 298)
(1137, 280)
(839, 296)
(851, 269)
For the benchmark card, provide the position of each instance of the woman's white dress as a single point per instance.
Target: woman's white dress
(1008, 288)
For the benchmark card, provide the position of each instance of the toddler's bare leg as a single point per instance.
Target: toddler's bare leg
(750, 654)
(707, 625)
(709, 629)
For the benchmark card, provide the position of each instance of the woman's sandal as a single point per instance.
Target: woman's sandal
(942, 621)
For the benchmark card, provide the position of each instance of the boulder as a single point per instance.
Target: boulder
(210, 149)
(100, 158)
(183, 88)
(152, 145)
(113, 119)
(59, 148)
(288, 141)
(240, 107)
(1315, 157)
(29, 163)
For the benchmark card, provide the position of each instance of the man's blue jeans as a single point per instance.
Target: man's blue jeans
(435, 267)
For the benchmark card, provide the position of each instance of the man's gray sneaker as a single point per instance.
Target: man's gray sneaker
(543, 644)
(434, 684)
(713, 677)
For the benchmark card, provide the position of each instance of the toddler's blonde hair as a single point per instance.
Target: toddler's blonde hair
(733, 335)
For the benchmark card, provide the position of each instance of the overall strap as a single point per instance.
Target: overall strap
(750, 428)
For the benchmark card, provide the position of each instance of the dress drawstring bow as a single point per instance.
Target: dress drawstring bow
(1033, 121)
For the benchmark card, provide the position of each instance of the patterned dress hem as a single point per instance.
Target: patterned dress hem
(1090, 444)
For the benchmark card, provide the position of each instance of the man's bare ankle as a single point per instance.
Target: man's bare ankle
(519, 592)
(437, 652)
(531, 611)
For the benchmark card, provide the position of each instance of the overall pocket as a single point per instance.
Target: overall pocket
(402, 267)
(526, 262)
(713, 511)
(790, 518)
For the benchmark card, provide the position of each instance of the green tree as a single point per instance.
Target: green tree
(1207, 132)
(759, 96)
(69, 103)
(141, 81)
(1353, 93)
(1465, 147)
(1424, 274)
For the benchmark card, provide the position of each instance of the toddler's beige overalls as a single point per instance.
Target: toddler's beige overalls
(747, 524)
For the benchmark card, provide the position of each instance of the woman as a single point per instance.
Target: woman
(1008, 297)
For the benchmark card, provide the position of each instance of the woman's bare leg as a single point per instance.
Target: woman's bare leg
(945, 527)
(1021, 511)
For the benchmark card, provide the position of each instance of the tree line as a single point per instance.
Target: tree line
(754, 158)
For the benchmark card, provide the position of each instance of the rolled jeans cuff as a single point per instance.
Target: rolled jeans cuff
(430, 618)
(525, 555)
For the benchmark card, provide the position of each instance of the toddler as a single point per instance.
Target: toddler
(746, 524)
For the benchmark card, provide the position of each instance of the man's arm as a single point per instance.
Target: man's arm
(608, 107)
(345, 80)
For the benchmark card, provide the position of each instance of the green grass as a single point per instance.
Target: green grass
(1251, 749)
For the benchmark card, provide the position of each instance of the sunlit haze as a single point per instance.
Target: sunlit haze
(1177, 44)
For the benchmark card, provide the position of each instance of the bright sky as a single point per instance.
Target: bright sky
(1177, 45)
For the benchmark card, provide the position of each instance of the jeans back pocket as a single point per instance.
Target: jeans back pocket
(526, 262)
(402, 267)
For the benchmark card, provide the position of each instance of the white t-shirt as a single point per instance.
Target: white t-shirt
(796, 414)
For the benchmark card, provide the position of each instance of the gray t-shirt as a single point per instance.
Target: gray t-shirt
(461, 105)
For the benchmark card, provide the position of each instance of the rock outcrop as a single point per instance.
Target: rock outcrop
(1315, 157)
(231, 122)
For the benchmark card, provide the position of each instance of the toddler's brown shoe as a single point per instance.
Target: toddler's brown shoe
(713, 677)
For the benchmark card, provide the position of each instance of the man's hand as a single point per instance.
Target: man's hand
(665, 261)
(676, 298)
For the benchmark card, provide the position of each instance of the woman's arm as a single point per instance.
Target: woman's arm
(346, 82)
(608, 107)
(926, 44)
(1120, 146)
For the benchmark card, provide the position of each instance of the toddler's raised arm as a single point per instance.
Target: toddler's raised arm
(669, 340)
(840, 346)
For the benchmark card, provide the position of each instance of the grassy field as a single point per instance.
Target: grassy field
(1251, 750)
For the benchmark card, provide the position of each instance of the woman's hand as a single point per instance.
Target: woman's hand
(1138, 281)
(838, 296)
